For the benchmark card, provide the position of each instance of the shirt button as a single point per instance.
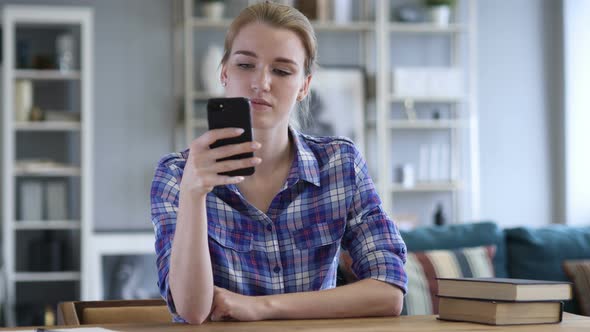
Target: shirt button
(277, 269)
(269, 227)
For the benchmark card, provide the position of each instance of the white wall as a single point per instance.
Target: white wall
(517, 97)
(577, 105)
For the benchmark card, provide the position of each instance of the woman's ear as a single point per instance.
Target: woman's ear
(223, 75)
(305, 88)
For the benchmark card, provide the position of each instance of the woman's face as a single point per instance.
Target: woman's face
(266, 64)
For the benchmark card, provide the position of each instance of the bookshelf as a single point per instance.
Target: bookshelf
(45, 227)
(401, 138)
(378, 45)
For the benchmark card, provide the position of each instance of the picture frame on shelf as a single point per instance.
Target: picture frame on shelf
(115, 258)
(130, 276)
(337, 104)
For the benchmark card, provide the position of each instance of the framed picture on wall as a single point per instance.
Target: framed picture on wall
(337, 104)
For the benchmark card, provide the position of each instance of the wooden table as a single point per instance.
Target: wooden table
(405, 323)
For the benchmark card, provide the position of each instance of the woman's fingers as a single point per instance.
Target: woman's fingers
(234, 164)
(220, 310)
(202, 170)
(234, 149)
(211, 136)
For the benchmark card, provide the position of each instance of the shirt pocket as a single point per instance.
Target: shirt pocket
(320, 234)
(231, 239)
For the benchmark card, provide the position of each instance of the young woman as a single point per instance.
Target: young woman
(267, 246)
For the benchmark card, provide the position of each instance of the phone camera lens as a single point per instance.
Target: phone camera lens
(220, 105)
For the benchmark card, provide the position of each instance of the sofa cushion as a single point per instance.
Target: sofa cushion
(539, 253)
(578, 271)
(460, 236)
(424, 267)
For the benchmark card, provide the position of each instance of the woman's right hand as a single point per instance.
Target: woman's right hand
(200, 172)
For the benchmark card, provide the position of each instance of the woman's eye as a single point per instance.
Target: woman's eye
(281, 72)
(245, 65)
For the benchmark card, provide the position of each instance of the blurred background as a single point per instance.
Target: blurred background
(465, 110)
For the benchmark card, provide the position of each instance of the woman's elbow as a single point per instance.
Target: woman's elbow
(193, 317)
(394, 308)
(193, 311)
(398, 305)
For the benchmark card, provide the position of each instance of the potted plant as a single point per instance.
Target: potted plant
(440, 11)
(213, 9)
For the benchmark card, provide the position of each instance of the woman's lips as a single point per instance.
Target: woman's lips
(260, 104)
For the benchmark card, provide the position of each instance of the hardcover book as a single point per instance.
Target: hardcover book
(505, 289)
(500, 312)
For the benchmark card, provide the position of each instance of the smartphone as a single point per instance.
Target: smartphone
(231, 113)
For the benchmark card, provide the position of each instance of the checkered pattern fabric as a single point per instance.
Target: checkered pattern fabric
(328, 201)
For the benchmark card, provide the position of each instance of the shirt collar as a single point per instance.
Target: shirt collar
(305, 166)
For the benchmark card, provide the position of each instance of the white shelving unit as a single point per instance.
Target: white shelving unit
(461, 125)
(377, 32)
(15, 18)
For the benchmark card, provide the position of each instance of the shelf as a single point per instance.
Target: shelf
(49, 171)
(199, 123)
(425, 124)
(425, 28)
(46, 224)
(48, 126)
(47, 276)
(360, 26)
(419, 99)
(202, 95)
(198, 22)
(65, 97)
(426, 187)
(33, 74)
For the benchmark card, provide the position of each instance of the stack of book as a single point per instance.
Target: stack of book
(500, 301)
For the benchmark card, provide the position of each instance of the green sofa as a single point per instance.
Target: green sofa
(522, 252)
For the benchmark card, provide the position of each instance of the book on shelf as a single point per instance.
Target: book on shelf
(56, 193)
(499, 312)
(505, 289)
(31, 200)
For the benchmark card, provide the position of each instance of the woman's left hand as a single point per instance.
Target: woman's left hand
(232, 306)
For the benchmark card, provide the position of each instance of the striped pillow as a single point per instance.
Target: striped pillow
(578, 271)
(424, 267)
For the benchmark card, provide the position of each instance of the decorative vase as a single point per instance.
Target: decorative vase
(213, 10)
(211, 70)
(65, 45)
(440, 15)
(23, 100)
(342, 11)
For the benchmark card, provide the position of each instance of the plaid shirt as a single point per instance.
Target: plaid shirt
(327, 201)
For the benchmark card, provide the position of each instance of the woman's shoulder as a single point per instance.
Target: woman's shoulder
(330, 146)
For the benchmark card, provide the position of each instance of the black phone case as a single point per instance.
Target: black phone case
(231, 113)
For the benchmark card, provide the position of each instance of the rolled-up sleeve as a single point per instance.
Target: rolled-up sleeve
(164, 207)
(371, 238)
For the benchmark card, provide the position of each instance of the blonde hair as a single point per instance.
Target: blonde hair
(284, 17)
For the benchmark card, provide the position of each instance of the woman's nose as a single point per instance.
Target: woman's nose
(261, 81)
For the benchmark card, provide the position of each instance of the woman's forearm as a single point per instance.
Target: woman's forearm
(362, 299)
(190, 277)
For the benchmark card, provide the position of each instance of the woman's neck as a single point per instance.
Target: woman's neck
(275, 151)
